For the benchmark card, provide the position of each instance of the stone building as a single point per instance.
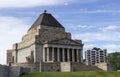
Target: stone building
(95, 56)
(47, 47)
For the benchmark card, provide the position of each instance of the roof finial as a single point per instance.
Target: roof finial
(45, 11)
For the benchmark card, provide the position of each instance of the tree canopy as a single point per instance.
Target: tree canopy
(114, 59)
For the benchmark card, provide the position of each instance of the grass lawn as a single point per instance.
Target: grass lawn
(72, 74)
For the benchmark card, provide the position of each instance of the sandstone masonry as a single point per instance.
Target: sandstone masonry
(7, 71)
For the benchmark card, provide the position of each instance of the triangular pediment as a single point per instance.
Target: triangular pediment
(65, 41)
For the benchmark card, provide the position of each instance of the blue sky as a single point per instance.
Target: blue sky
(96, 22)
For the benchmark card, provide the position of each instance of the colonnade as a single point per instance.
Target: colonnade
(55, 54)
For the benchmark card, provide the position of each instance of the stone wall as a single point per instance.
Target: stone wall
(104, 66)
(34, 67)
(49, 35)
(83, 67)
(40, 67)
(24, 53)
(6, 71)
(57, 67)
(9, 56)
(65, 66)
(16, 71)
(50, 67)
(39, 52)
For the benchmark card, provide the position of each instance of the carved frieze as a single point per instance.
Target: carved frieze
(65, 41)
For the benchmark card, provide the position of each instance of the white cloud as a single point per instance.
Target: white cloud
(98, 36)
(11, 31)
(87, 1)
(98, 11)
(30, 3)
(110, 28)
(66, 4)
(78, 27)
(112, 47)
(106, 37)
(34, 3)
(88, 46)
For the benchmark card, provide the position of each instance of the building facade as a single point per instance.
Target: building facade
(47, 47)
(95, 55)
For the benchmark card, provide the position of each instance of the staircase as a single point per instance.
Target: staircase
(83, 67)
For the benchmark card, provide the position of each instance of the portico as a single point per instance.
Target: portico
(61, 53)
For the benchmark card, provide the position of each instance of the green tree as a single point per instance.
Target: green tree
(114, 59)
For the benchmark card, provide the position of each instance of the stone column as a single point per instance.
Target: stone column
(73, 57)
(77, 55)
(16, 52)
(81, 55)
(53, 54)
(68, 56)
(43, 54)
(63, 55)
(58, 58)
(47, 54)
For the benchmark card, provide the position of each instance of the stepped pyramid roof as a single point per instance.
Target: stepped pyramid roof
(46, 19)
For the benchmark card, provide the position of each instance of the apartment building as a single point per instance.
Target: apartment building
(95, 55)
